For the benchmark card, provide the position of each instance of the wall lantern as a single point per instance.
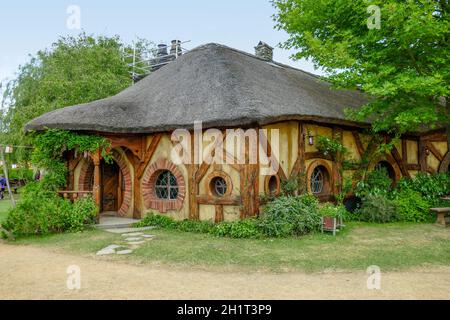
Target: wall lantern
(310, 138)
(9, 149)
(427, 151)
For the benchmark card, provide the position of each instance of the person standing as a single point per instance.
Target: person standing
(2, 186)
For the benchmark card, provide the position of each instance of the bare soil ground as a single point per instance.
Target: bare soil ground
(28, 272)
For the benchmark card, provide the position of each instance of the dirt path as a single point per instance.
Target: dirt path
(36, 273)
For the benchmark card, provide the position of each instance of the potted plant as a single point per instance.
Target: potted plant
(332, 217)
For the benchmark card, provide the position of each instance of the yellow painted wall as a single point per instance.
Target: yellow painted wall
(432, 162)
(349, 142)
(207, 212)
(441, 147)
(413, 151)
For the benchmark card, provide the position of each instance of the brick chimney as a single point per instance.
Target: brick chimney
(162, 50)
(264, 51)
(175, 47)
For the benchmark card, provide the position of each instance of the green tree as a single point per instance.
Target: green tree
(404, 65)
(74, 70)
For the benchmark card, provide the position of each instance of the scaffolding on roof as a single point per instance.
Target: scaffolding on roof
(142, 63)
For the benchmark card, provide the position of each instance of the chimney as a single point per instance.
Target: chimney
(264, 51)
(175, 48)
(162, 50)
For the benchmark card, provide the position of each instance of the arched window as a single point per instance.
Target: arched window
(318, 180)
(166, 186)
(219, 186)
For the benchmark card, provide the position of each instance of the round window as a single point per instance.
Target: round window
(166, 186)
(318, 180)
(219, 186)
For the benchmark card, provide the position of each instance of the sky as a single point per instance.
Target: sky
(29, 26)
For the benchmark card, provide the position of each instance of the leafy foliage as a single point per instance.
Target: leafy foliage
(331, 147)
(377, 208)
(404, 65)
(377, 182)
(431, 187)
(41, 212)
(49, 149)
(412, 207)
(238, 229)
(291, 216)
(330, 210)
(248, 228)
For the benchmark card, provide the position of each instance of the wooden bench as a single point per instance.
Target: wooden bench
(441, 213)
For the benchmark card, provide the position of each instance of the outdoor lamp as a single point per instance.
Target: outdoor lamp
(310, 138)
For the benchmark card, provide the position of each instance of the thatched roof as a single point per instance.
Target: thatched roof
(215, 84)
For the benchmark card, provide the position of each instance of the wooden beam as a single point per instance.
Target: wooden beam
(359, 145)
(317, 155)
(404, 151)
(435, 151)
(226, 200)
(299, 165)
(414, 167)
(96, 157)
(204, 167)
(398, 159)
(336, 166)
(148, 155)
(219, 214)
(423, 155)
(139, 165)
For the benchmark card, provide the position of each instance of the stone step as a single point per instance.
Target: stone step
(107, 222)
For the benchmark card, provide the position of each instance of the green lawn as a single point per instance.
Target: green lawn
(392, 246)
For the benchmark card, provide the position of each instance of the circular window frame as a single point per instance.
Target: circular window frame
(209, 184)
(267, 185)
(151, 200)
(328, 180)
(168, 186)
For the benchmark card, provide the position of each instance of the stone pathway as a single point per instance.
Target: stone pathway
(133, 238)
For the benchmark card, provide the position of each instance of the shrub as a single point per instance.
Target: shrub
(195, 226)
(238, 229)
(248, 228)
(377, 208)
(411, 207)
(288, 216)
(41, 212)
(156, 220)
(431, 187)
(377, 182)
